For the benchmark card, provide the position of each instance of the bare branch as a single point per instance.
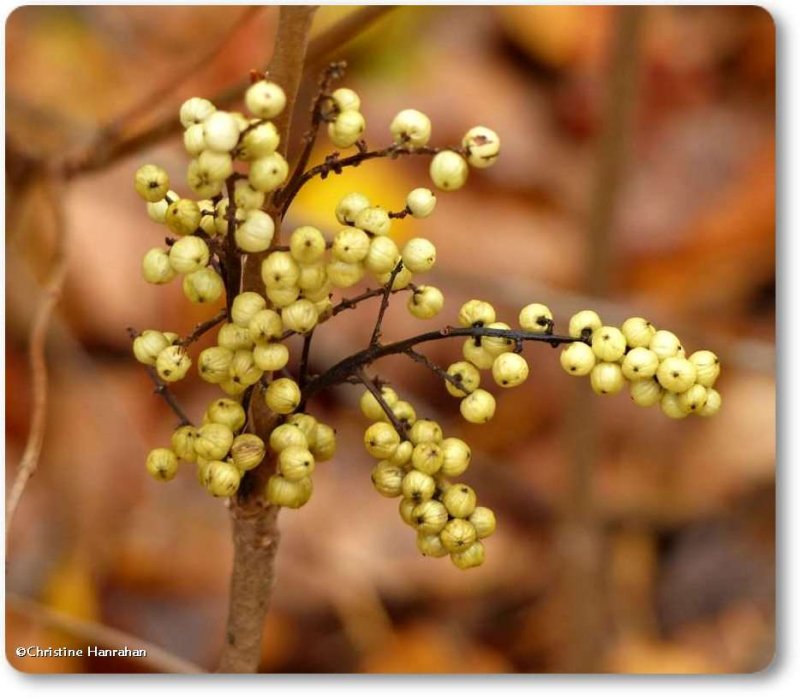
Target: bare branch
(387, 291)
(438, 370)
(203, 327)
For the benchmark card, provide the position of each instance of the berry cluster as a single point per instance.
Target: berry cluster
(418, 468)
(653, 361)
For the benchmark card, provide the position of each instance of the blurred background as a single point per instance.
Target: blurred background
(637, 177)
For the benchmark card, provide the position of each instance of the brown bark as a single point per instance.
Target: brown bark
(255, 521)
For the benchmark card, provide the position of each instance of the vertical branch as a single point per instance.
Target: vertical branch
(581, 539)
(387, 291)
(255, 529)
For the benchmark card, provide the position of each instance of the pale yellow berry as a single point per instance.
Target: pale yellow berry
(457, 456)
(425, 302)
(713, 403)
(381, 440)
(406, 509)
(189, 254)
(300, 316)
(665, 344)
(213, 364)
(195, 110)
(233, 337)
(473, 556)
(694, 399)
(307, 424)
(402, 456)
(313, 278)
(265, 99)
(460, 500)
(606, 378)
(477, 354)
(483, 519)
(228, 412)
(639, 363)
(344, 274)
(350, 206)
(370, 407)
(608, 343)
(672, 407)
(584, 323)
(425, 431)
(203, 286)
(478, 407)
(207, 173)
(247, 451)
(387, 479)
(466, 374)
(148, 345)
(430, 545)
(157, 211)
(401, 279)
(475, 313)
(221, 131)
(213, 441)
(707, 367)
(374, 220)
(306, 244)
(222, 479)
(151, 182)
(245, 306)
(448, 170)
(638, 332)
(282, 396)
(350, 245)
(281, 297)
(536, 317)
(497, 345)
(255, 233)
(577, 359)
(194, 140)
(418, 486)
(182, 442)
(647, 392)
(420, 202)
(346, 128)
(411, 127)
(244, 369)
(419, 255)
(482, 146)
(296, 463)
(382, 256)
(271, 356)
(172, 364)
(404, 411)
(269, 172)
(458, 535)
(221, 222)
(676, 374)
(232, 388)
(285, 493)
(265, 326)
(427, 457)
(259, 142)
(279, 271)
(183, 216)
(429, 517)
(344, 98)
(286, 435)
(324, 442)
(509, 370)
(162, 464)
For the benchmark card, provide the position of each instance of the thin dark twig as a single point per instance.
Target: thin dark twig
(303, 371)
(334, 71)
(233, 262)
(339, 372)
(438, 370)
(370, 384)
(387, 291)
(335, 163)
(203, 327)
(168, 396)
(400, 214)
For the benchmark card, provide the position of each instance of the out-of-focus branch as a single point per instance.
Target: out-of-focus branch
(157, 658)
(38, 361)
(582, 546)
